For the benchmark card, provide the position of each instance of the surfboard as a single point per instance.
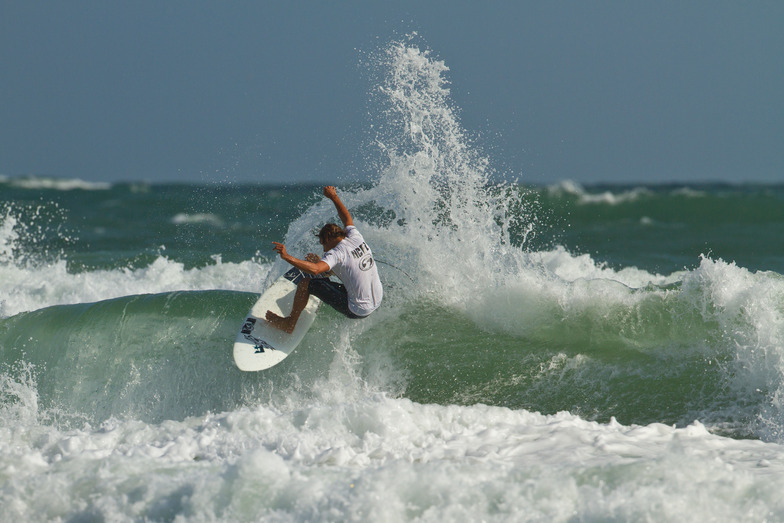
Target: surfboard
(259, 345)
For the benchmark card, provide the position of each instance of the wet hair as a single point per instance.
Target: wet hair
(330, 232)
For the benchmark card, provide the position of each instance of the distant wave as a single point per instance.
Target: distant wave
(607, 197)
(57, 184)
(187, 219)
(586, 196)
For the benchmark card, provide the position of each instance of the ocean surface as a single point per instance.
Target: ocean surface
(543, 353)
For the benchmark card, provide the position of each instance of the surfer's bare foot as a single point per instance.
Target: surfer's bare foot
(284, 324)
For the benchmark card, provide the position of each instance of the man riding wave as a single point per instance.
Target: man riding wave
(347, 256)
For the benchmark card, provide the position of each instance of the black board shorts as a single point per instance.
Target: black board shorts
(333, 294)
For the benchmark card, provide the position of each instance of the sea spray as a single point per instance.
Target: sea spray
(32, 234)
(747, 312)
(18, 394)
(432, 212)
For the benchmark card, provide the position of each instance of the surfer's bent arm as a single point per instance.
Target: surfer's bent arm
(303, 265)
(314, 258)
(332, 193)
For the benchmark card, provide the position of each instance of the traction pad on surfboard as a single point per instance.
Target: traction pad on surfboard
(258, 344)
(295, 275)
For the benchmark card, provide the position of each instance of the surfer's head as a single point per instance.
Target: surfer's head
(330, 235)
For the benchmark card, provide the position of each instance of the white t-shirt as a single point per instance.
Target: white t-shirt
(352, 262)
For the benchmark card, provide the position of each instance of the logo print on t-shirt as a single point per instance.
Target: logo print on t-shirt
(366, 263)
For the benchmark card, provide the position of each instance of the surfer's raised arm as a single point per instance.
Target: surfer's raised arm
(332, 193)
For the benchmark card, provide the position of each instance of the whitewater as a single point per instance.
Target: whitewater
(543, 353)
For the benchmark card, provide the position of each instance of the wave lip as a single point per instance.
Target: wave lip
(30, 288)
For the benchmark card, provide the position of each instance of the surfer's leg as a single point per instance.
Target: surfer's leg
(288, 323)
(333, 294)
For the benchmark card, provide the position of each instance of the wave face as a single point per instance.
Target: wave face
(542, 353)
(151, 357)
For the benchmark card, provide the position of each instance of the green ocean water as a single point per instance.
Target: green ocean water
(650, 345)
(664, 228)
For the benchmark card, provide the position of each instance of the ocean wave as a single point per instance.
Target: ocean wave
(689, 192)
(198, 218)
(564, 333)
(151, 356)
(605, 197)
(27, 288)
(569, 334)
(545, 323)
(33, 277)
(595, 195)
(55, 184)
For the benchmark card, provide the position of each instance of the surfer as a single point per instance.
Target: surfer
(347, 256)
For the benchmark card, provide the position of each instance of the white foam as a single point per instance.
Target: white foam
(385, 459)
(29, 288)
(570, 267)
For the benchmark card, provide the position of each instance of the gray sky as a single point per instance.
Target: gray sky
(274, 91)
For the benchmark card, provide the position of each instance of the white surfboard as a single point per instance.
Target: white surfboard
(259, 345)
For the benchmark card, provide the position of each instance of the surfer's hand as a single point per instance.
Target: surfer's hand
(280, 249)
(330, 192)
(313, 258)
